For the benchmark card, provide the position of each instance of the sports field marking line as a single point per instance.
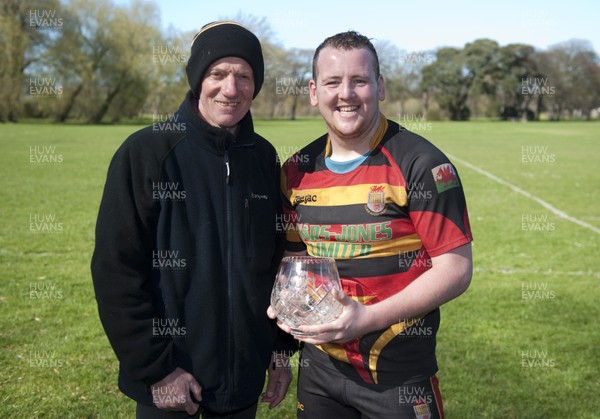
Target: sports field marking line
(523, 192)
(41, 254)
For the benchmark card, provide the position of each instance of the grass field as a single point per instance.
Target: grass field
(523, 342)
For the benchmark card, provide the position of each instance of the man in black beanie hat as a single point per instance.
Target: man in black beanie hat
(187, 246)
(224, 39)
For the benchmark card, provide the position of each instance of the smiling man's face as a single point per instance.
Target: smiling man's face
(226, 93)
(347, 91)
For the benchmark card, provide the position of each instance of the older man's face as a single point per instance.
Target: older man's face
(226, 92)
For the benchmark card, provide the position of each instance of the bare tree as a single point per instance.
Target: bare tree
(573, 72)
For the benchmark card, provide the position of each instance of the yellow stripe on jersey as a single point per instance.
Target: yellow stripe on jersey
(338, 352)
(363, 299)
(347, 195)
(335, 350)
(349, 250)
(383, 340)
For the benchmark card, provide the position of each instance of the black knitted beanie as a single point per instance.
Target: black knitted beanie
(221, 39)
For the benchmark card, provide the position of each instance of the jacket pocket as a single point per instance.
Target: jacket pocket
(258, 230)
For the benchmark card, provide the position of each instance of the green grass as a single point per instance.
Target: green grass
(487, 335)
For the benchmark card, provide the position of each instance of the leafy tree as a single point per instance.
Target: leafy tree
(516, 65)
(127, 70)
(482, 60)
(450, 80)
(25, 29)
(103, 57)
(113, 61)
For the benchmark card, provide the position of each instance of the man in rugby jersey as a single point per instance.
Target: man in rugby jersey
(390, 208)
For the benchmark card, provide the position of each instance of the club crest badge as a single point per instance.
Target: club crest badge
(376, 200)
(422, 411)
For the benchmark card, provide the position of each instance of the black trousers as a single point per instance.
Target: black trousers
(325, 393)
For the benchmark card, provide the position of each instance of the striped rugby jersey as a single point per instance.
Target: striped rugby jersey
(382, 222)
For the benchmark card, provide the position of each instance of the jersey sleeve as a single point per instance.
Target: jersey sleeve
(437, 204)
(290, 222)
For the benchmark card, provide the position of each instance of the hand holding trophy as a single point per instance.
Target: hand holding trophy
(302, 294)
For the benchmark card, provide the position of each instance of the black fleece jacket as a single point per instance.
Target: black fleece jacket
(186, 252)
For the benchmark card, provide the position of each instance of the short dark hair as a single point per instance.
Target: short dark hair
(346, 41)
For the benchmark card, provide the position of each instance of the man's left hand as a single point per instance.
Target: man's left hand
(352, 323)
(279, 379)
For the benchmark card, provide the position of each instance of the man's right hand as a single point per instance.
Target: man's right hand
(174, 392)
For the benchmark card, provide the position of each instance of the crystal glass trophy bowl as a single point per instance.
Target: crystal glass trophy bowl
(302, 294)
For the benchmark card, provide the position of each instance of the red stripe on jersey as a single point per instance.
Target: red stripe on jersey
(435, 386)
(356, 360)
(439, 230)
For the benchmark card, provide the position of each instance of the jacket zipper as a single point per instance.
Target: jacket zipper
(229, 273)
(227, 170)
(229, 224)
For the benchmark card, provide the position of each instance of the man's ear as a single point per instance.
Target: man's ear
(312, 90)
(380, 88)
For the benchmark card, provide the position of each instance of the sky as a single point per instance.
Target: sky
(410, 25)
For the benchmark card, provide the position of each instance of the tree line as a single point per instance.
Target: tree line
(97, 62)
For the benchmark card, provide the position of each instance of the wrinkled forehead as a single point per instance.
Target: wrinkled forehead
(235, 64)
